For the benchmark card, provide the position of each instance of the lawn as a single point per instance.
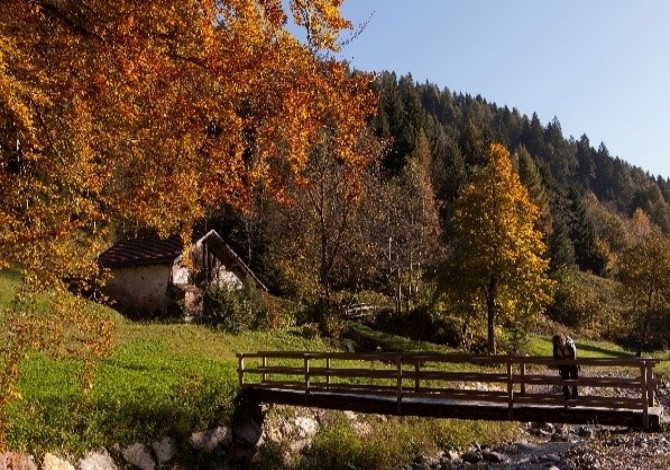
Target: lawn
(167, 379)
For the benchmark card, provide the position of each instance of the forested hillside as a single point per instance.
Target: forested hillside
(458, 128)
(393, 235)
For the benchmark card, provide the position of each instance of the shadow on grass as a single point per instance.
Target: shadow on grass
(132, 367)
(603, 351)
(367, 340)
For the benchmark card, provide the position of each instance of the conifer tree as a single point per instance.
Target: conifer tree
(530, 177)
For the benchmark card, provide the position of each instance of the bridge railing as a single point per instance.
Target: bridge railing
(513, 380)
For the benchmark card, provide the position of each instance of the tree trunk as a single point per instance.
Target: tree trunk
(643, 334)
(491, 315)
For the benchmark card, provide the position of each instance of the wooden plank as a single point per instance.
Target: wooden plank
(399, 397)
(645, 404)
(240, 370)
(594, 401)
(275, 370)
(461, 410)
(466, 395)
(510, 392)
(444, 357)
(364, 389)
(355, 373)
(620, 382)
(457, 376)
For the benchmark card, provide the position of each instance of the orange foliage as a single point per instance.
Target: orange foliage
(152, 112)
(149, 113)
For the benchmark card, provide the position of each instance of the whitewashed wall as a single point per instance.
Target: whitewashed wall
(139, 289)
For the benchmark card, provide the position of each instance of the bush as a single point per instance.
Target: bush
(586, 303)
(421, 324)
(230, 310)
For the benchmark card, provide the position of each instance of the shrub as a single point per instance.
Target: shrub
(585, 303)
(423, 323)
(230, 310)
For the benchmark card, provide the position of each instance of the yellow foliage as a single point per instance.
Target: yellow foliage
(498, 255)
(148, 114)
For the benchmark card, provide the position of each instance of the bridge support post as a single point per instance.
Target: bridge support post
(417, 368)
(651, 383)
(328, 372)
(240, 369)
(645, 392)
(307, 376)
(510, 390)
(399, 385)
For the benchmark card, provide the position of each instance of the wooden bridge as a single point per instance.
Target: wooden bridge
(612, 391)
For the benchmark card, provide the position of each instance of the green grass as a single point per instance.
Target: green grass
(395, 440)
(542, 346)
(371, 339)
(171, 379)
(159, 380)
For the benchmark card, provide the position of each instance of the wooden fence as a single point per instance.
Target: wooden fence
(623, 384)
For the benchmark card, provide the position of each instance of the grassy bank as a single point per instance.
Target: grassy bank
(172, 379)
(159, 380)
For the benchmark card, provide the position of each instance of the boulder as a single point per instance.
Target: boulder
(51, 462)
(472, 457)
(212, 439)
(138, 456)
(250, 432)
(97, 460)
(165, 450)
(495, 457)
(17, 461)
(306, 426)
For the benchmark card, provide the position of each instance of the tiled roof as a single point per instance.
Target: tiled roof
(142, 252)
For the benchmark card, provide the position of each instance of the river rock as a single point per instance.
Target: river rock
(165, 450)
(249, 433)
(585, 431)
(495, 457)
(472, 457)
(17, 461)
(306, 426)
(97, 460)
(51, 462)
(210, 440)
(138, 456)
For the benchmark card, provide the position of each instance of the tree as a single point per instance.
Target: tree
(411, 223)
(314, 237)
(146, 115)
(530, 176)
(644, 273)
(497, 259)
(582, 234)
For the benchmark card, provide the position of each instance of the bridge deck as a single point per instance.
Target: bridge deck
(440, 407)
(455, 386)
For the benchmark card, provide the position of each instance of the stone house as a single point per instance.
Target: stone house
(149, 277)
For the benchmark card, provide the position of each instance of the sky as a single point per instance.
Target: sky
(602, 67)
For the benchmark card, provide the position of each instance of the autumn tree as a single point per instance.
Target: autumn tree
(644, 273)
(146, 115)
(496, 265)
(410, 224)
(315, 235)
